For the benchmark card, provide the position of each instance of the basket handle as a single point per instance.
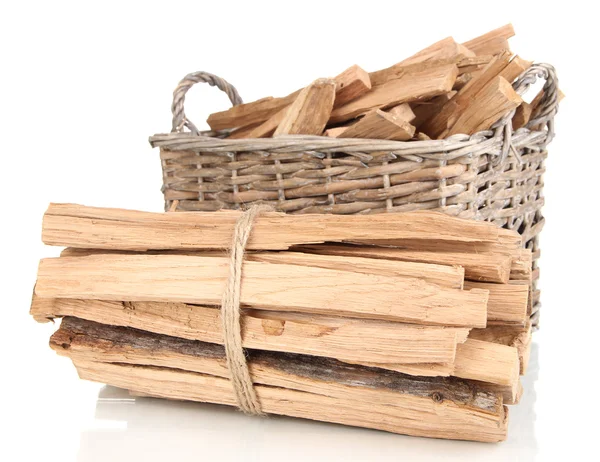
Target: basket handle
(549, 103)
(177, 108)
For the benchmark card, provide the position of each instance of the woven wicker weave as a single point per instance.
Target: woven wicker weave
(495, 175)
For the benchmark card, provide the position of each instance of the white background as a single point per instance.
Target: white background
(83, 85)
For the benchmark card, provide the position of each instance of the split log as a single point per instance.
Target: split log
(508, 303)
(442, 121)
(493, 42)
(484, 267)
(485, 362)
(351, 84)
(381, 125)
(403, 111)
(515, 68)
(246, 114)
(352, 395)
(445, 51)
(310, 111)
(342, 338)
(514, 336)
(427, 109)
(71, 225)
(441, 275)
(335, 132)
(522, 116)
(270, 286)
(411, 86)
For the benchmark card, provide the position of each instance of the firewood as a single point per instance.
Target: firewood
(411, 86)
(381, 125)
(335, 132)
(268, 112)
(346, 339)
(351, 84)
(522, 116)
(133, 230)
(479, 360)
(325, 390)
(246, 114)
(443, 52)
(515, 336)
(461, 81)
(310, 111)
(425, 110)
(507, 303)
(270, 286)
(515, 68)
(443, 276)
(488, 106)
(491, 43)
(487, 267)
(441, 121)
(402, 111)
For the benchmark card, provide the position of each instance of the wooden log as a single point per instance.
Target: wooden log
(461, 81)
(486, 267)
(445, 51)
(346, 339)
(402, 111)
(508, 303)
(310, 111)
(351, 84)
(258, 117)
(381, 125)
(515, 68)
(444, 276)
(522, 116)
(270, 286)
(515, 336)
(246, 114)
(71, 225)
(442, 121)
(491, 43)
(427, 109)
(325, 390)
(411, 86)
(335, 132)
(485, 362)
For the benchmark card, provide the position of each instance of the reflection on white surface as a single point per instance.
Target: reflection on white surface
(158, 430)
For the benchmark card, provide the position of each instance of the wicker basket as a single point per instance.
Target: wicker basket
(494, 175)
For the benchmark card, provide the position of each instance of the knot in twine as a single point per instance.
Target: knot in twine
(243, 388)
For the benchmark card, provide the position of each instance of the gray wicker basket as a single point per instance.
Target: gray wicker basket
(494, 175)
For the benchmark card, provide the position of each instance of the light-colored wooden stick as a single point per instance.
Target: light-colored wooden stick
(488, 106)
(486, 267)
(492, 42)
(310, 111)
(441, 121)
(441, 275)
(460, 423)
(270, 286)
(351, 84)
(508, 303)
(72, 225)
(522, 116)
(403, 111)
(411, 86)
(392, 398)
(246, 114)
(260, 118)
(342, 338)
(381, 125)
(445, 51)
(514, 336)
(515, 68)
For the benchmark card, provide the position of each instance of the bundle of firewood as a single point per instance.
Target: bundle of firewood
(445, 89)
(413, 323)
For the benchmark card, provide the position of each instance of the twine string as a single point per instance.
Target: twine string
(237, 364)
